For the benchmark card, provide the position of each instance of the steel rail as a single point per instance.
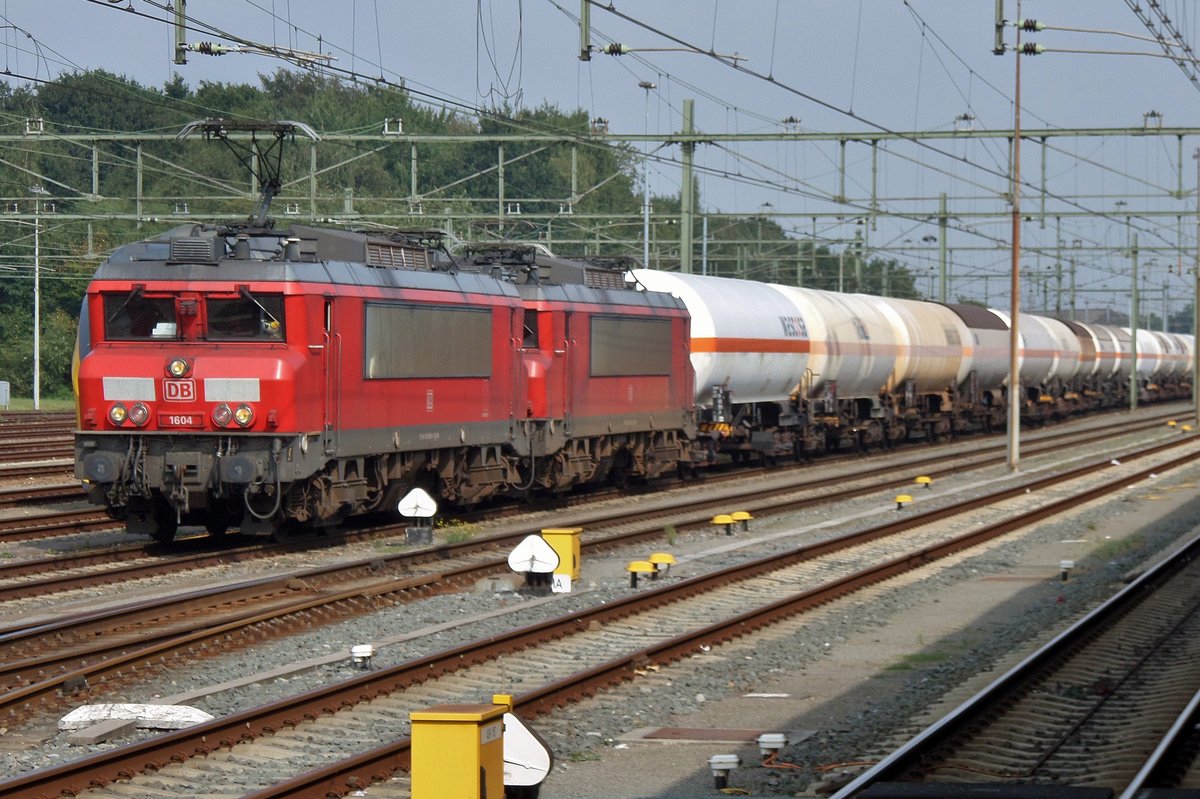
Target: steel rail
(339, 779)
(116, 655)
(1178, 745)
(901, 760)
(226, 554)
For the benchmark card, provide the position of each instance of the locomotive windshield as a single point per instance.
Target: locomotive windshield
(134, 317)
(250, 317)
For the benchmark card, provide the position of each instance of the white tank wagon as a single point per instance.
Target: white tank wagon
(746, 338)
(1097, 353)
(1176, 360)
(987, 348)
(1049, 350)
(853, 345)
(935, 352)
(1164, 364)
(783, 371)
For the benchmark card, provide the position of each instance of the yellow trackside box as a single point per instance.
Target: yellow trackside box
(565, 541)
(458, 751)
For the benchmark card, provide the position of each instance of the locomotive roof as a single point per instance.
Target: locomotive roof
(297, 254)
(302, 253)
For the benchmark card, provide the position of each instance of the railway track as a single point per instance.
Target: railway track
(34, 495)
(1079, 713)
(656, 627)
(17, 471)
(53, 524)
(66, 572)
(36, 422)
(34, 451)
(69, 522)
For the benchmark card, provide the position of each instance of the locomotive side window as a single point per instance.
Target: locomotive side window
(624, 346)
(250, 317)
(136, 317)
(423, 341)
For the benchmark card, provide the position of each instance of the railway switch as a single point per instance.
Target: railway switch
(924, 480)
(742, 516)
(724, 520)
(902, 500)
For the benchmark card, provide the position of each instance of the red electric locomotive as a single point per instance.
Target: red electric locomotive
(257, 378)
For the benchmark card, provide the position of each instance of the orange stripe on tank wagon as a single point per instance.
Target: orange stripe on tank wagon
(750, 345)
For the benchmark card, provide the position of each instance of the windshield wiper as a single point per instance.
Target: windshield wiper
(135, 293)
(245, 292)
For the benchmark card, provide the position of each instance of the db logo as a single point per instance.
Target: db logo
(179, 390)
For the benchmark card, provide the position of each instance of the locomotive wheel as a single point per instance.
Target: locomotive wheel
(218, 520)
(166, 523)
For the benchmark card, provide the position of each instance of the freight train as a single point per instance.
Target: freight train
(242, 376)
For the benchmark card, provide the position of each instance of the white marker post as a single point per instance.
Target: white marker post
(417, 504)
(534, 558)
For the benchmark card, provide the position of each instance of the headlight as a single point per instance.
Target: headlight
(222, 415)
(244, 415)
(117, 414)
(179, 367)
(139, 414)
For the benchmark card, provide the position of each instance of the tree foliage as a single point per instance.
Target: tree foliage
(102, 183)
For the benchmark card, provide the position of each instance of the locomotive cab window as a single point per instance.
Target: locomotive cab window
(136, 317)
(249, 317)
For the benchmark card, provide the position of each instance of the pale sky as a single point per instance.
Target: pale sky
(901, 66)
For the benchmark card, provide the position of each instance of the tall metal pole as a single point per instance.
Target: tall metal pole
(647, 86)
(180, 31)
(1014, 340)
(1057, 266)
(686, 198)
(1133, 326)
(1073, 310)
(1196, 305)
(942, 291)
(37, 297)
